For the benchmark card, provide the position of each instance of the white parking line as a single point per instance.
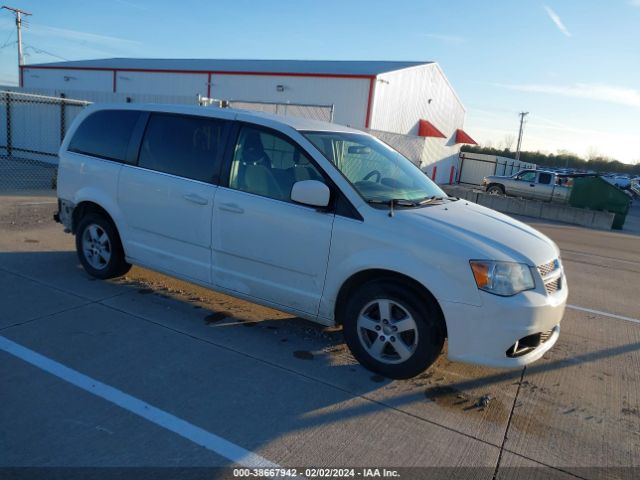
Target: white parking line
(604, 314)
(170, 422)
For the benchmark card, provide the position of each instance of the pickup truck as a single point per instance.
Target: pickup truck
(535, 184)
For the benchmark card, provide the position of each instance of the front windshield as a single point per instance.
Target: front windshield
(377, 172)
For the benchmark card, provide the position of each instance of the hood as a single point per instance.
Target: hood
(485, 233)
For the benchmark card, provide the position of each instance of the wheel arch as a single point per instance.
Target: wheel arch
(364, 276)
(88, 206)
(496, 184)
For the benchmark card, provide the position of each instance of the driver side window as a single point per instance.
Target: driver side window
(268, 164)
(527, 177)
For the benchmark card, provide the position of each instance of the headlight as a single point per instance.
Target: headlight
(502, 278)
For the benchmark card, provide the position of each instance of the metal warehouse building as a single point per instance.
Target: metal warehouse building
(411, 105)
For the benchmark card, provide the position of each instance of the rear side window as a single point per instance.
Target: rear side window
(544, 178)
(186, 146)
(105, 134)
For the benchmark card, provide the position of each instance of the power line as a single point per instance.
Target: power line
(39, 50)
(6, 42)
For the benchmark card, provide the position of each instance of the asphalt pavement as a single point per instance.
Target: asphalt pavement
(149, 371)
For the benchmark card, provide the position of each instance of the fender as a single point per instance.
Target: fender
(454, 285)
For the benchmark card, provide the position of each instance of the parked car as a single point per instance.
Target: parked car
(534, 184)
(311, 218)
(619, 181)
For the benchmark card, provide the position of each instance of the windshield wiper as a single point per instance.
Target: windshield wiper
(428, 200)
(394, 202)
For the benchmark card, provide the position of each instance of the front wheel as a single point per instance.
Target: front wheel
(393, 330)
(495, 190)
(99, 248)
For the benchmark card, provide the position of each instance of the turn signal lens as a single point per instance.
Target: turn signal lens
(481, 273)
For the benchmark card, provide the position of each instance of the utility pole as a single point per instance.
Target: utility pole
(522, 115)
(18, 13)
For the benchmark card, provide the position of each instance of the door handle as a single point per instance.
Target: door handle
(532, 184)
(231, 207)
(195, 198)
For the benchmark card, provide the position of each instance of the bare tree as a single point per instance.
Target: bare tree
(507, 141)
(594, 154)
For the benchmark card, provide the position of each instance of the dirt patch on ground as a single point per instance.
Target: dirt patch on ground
(27, 213)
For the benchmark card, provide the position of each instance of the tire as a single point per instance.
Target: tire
(99, 248)
(495, 190)
(385, 348)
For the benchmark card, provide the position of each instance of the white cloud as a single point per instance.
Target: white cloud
(604, 93)
(82, 37)
(451, 39)
(555, 18)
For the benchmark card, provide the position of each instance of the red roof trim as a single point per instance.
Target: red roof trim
(205, 72)
(463, 137)
(427, 129)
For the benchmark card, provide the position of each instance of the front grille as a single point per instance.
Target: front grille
(553, 286)
(547, 268)
(544, 336)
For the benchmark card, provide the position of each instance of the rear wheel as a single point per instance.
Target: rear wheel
(392, 329)
(99, 247)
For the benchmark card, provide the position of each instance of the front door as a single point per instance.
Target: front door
(264, 245)
(525, 185)
(167, 199)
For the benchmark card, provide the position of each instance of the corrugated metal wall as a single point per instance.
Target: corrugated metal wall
(475, 166)
(95, 80)
(349, 95)
(404, 97)
(162, 83)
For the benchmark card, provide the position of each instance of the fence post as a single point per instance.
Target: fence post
(7, 97)
(62, 117)
(461, 167)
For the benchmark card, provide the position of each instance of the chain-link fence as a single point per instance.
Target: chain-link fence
(34, 127)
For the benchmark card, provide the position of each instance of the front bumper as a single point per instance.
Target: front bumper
(487, 334)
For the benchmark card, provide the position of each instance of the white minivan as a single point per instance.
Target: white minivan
(312, 218)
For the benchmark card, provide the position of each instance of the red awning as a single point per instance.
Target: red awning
(426, 129)
(463, 137)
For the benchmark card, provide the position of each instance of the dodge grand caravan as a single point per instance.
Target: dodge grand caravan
(311, 218)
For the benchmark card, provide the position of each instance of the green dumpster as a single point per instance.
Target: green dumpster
(597, 194)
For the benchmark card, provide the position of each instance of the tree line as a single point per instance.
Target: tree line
(561, 160)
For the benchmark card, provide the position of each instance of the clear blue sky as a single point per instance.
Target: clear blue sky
(574, 64)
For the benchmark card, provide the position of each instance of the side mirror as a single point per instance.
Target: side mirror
(311, 192)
